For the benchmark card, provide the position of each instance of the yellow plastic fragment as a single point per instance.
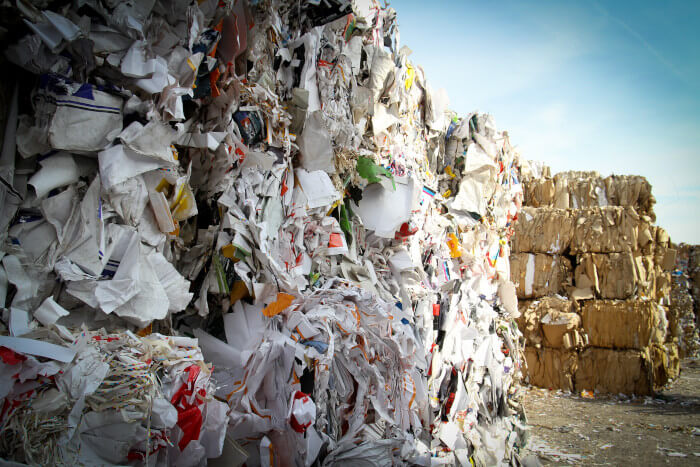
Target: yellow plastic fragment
(410, 76)
(238, 291)
(229, 251)
(453, 244)
(162, 185)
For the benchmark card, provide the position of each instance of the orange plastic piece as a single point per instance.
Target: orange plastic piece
(279, 305)
(335, 241)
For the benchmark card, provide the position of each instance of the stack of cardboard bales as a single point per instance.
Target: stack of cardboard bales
(593, 279)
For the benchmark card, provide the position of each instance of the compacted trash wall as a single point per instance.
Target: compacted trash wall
(248, 230)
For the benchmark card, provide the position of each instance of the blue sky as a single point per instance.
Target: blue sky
(606, 86)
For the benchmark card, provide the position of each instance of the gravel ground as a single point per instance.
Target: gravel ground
(567, 429)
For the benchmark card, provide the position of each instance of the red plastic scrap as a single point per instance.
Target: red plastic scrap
(189, 415)
(11, 357)
(298, 427)
(405, 231)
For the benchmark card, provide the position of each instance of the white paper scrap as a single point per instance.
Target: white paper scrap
(38, 348)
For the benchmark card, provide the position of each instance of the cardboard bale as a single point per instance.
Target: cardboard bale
(632, 191)
(551, 322)
(585, 189)
(633, 324)
(577, 190)
(604, 230)
(539, 274)
(551, 368)
(543, 230)
(616, 275)
(538, 192)
(615, 371)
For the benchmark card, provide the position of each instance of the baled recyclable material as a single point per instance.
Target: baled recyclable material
(532, 312)
(681, 317)
(551, 368)
(632, 324)
(577, 190)
(615, 371)
(688, 263)
(561, 330)
(111, 397)
(620, 284)
(617, 275)
(631, 190)
(250, 228)
(552, 322)
(539, 192)
(543, 230)
(666, 361)
(539, 275)
(604, 230)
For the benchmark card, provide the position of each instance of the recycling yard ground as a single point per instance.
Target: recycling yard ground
(567, 429)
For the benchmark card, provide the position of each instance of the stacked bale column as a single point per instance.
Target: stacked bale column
(590, 267)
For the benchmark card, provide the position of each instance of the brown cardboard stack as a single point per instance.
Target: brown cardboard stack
(593, 277)
(552, 330)
(577, 190)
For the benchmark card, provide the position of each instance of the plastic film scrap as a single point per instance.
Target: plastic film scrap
(250, 232)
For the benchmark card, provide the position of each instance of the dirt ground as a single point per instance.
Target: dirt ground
(567, 429)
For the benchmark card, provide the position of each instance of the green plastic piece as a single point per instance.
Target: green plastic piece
(371, 171)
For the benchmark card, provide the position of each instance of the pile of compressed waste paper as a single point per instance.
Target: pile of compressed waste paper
(685, 296)
(593, 275)
(249, 231)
